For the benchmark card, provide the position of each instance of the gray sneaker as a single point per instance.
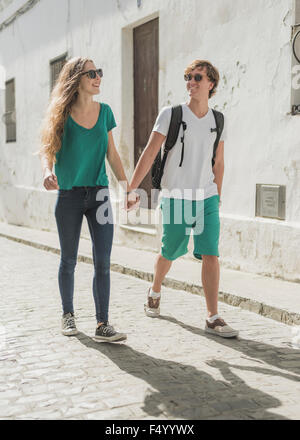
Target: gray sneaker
(68, 326)
(107, 333)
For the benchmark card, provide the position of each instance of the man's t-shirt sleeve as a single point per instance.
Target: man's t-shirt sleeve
(163, 120)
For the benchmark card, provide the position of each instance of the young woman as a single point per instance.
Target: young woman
(76, 137)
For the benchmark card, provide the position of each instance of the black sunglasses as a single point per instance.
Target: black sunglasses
(93, 73)
(198, 77)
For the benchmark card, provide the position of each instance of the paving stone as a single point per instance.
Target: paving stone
(34, 398)
(42, 415)
(13, 393)
(14, 411)
(32, 389)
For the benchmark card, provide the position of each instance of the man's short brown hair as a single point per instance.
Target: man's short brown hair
(211, 72)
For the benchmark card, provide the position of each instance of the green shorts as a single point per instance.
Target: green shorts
(180, 217)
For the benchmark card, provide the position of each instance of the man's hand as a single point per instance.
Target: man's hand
(132, 201)
(50, 181)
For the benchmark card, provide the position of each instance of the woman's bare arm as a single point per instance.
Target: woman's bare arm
(50, 179)
(115, 163)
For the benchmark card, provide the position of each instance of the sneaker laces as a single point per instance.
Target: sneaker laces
(70, 321)
(107, 329)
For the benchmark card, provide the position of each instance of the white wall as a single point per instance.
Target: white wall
(249, 42)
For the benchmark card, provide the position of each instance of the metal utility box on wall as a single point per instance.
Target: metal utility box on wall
(270, 201)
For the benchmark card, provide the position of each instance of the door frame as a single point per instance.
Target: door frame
(127, 100)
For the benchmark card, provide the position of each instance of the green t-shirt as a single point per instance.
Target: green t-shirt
(81, 159)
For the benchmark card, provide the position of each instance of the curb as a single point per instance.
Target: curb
(251, 305)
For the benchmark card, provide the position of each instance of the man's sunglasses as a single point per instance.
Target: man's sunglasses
(198, 77)
(93, 73)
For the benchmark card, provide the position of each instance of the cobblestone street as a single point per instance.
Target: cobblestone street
(168, 368)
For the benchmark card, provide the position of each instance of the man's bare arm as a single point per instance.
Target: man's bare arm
(147, 158)
(218, 168)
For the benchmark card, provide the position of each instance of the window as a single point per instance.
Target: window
(295, 95)
(10, 111)
(55, 67)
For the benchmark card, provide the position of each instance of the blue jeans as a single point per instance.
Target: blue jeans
(70, 207)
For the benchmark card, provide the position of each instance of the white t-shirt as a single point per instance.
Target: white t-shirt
(194, 180)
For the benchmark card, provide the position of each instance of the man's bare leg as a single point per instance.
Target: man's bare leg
(210, 282)
(161, 268)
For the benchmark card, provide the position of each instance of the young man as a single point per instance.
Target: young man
(196, 186)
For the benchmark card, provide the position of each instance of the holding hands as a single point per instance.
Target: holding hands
(132, 201)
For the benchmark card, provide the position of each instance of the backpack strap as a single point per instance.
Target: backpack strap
(176, 119)
(182, 141)
(175, 123)
(173, 132)
(219, 117)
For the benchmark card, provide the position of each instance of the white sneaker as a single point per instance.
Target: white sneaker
(220, 328)
(68, 326)
(152, 308)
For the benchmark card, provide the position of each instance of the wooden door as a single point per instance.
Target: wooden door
(145, 39)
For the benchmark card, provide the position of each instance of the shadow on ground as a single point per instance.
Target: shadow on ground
(254, 350)
(182, 391)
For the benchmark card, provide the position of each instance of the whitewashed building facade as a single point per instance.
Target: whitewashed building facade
(143, 46)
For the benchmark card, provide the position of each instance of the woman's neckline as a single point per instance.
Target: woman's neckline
(85, 128)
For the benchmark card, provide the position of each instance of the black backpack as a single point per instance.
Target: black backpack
(176, 121)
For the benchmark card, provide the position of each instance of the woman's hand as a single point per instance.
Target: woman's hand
(50, 181)
(132, 201)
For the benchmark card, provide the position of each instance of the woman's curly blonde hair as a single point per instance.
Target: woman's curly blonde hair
(63, 96)
(211, 72)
